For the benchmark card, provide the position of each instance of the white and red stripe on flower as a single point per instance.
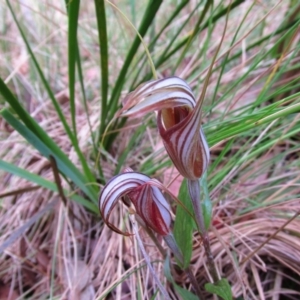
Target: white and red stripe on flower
(148, 200)
(178, 120)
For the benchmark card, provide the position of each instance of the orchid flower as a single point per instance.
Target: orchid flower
(148, 200)
(151, 207)
(178, 120)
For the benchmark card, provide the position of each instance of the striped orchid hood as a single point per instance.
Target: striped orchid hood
(178, 121)
(149, 202)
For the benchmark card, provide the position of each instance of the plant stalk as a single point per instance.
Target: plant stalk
(170, 241)
(194, 190)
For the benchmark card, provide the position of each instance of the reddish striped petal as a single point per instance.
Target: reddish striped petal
(186, 146)
(178, 119)
(148, 200)
(157, 95)
(152, 207)
(116, 188)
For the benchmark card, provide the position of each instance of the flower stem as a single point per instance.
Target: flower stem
(151, 235)
(147, 259)
(194, 190)
(170, 241)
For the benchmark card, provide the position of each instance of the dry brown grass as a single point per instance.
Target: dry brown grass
(68, 253)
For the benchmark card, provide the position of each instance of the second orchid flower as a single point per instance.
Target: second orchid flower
(150, 204)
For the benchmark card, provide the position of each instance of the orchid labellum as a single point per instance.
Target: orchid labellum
(178, 120)
(147, 199)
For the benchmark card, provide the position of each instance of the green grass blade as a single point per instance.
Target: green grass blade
(223, 153)
(162, 59)
(130, 146)
(81, 80)
(84, 99)
(65, 166)
(18, 108)
(43, 79)
(12, 169)
(152, 8)
(56, 105)
(73, 12)
(194, 33)
(246, 123)
(225, 60)
(166, 56)
(257, 61)
(32, 125)
(175, 13)
(133, 11)
(263, 39)
(73, 57)
(103, 42)
(214, 19)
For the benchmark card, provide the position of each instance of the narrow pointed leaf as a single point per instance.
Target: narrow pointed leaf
(221, 288)
(65, 166)
(34, 178)
(150, 12)
(51, 95)
(73, 13)
(184, 224)
(185, 294)
(103, 42)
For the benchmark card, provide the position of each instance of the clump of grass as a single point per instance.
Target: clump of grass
(250, 120)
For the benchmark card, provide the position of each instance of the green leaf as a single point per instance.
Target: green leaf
(207, 212)
(12, 169)
(185, 294)
(184, 223)
(221, 288)
(206, 203)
